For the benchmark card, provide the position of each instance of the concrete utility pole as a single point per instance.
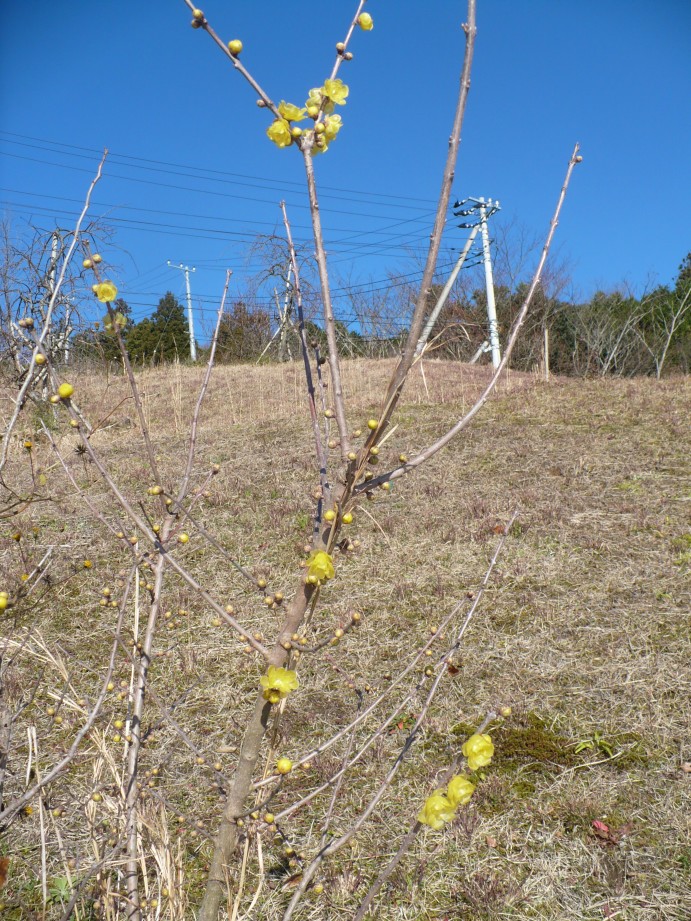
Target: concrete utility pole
(432, 319)
(485, 209)
(190, 317)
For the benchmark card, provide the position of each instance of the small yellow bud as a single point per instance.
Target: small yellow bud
(87, 263)
(372, 424)
(365, 22)
(197, 14)
(65, 391)
(330, 515)
(40, 358)
(269, 818)
(284, 765)
(235, 46)
(347, 518)
(183, 538)
(97, 258)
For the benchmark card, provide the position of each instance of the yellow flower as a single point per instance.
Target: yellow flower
(315, 100)
(320, 566)
(279, 132)
(290, 112)
(119, 319)
(106, 291)
(336, 91)
(278, 683)
(365, 22)
(478, 750)
(460, 790)
(438, 810)
(332, 125)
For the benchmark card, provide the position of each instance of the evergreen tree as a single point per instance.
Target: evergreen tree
(163, 337)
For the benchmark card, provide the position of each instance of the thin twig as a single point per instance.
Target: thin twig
(462, 423)
(336, 844)
(321, 453)
(184, 483)
(21, 396)
(410, 836)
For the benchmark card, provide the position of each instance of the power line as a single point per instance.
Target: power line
(95, 153)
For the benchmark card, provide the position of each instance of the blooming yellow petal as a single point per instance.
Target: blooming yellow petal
(317, 101)
(106, 291)
(478, 750)
(336, 91)
(278, 683)
(332, 125)
(290, 112)
(320, 566)
(279, 132)
(365, 22)
(437, 811)
(460, 790)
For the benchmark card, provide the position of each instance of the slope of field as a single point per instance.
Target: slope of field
(583, 632)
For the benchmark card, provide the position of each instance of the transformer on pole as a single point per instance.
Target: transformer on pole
(190, 317)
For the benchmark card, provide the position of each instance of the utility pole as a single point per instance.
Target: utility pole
(484, 209)
(190, 317)
(432, 318)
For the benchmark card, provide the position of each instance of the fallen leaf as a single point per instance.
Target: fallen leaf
(4, 866)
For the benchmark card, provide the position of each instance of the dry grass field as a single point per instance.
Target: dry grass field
(583, 632)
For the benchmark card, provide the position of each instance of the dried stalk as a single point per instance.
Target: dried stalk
(11, 810)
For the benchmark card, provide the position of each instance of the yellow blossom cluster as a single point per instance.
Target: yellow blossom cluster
(441, 806)
(278, 683)
(319, 106)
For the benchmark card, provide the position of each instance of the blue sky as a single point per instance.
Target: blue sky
(192, 177)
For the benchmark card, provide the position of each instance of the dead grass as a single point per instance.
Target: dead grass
(584, 633)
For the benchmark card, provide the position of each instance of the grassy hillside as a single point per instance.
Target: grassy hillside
(583, 632)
